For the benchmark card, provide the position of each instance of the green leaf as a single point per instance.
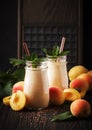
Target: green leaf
(55, 51)
(62, 116)
(30, 58)
(18, 74)
(45, 51)
(64, 53)
(4, 78)
(16, 62)
(6, 90)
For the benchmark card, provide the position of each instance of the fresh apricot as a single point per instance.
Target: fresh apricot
(86, 77)
(17, 100)
(81, 85)
(71, 94)
(76, 71)
(90, 72)
(57, 96)
(6, 100)
(18, 86)
(80, 108)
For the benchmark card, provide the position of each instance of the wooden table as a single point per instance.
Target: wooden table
(41, 120)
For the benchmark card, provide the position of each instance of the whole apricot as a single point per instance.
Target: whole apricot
(90, 72)
(18, 86)
(86, 77)
(57, 96)
(80, 108)
(81, 85)
(76, 71)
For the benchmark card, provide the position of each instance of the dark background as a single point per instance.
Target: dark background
(87, 34)
(8, 33)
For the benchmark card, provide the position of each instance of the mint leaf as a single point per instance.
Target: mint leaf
(45, 51)
(6, 90)
(55, 51)
(64, 53)
(18, 74)
(16, 62)
(62, 116)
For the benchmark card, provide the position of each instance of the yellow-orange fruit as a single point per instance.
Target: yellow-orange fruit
(80, 108)
(17, 101)
(86, 77)
(71, 94)
(76, 71)
(18, 86)
(81, 85)
(57, 96)
(6, 100)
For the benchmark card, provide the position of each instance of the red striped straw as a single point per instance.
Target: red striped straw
(62, 44)
(25, 47)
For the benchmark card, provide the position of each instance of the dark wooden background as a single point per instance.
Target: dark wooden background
(87, 34)
(8, 33)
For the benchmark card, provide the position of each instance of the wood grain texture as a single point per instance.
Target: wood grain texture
(62, 12)
(41, 120)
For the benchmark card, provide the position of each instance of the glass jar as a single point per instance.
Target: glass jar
(36, 87)
(57, 71)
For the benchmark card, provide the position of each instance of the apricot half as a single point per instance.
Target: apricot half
(71, 94)
(17, 100)
(6, 100)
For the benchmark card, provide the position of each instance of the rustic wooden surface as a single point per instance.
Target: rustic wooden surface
(41, 120)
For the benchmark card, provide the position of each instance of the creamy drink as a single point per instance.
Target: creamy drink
(57, 72)
(36, 87)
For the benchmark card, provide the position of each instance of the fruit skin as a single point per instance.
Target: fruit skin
(71, 94)
(17, 101)
(6, 100)
(81, 85)
(90, 72)
(57, 96)
(76, 71)
(86, 77)
(18, 86)
(80, 108)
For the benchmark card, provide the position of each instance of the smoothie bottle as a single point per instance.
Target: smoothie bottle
(36, 87)
(57, 71)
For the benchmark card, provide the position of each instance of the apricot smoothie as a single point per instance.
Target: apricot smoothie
(57, 72)
(36, 87)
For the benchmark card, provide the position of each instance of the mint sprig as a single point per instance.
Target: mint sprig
(54, 52)
(63, 116)
(20, 63)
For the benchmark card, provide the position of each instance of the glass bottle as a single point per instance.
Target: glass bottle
(36, 87)
(57, 71)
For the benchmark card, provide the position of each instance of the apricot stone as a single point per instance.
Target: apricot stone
(80, 108)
